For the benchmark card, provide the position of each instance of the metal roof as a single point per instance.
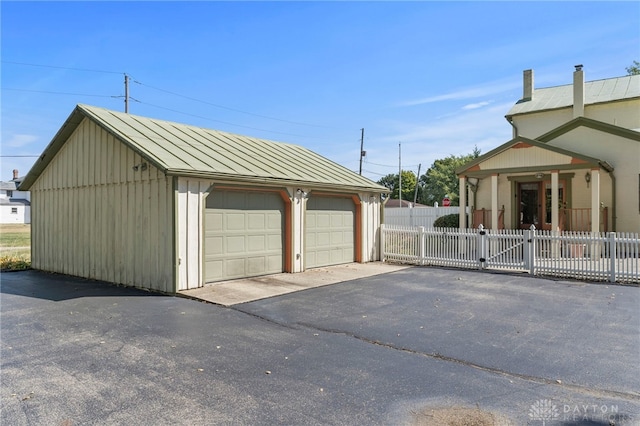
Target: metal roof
(598, 91)
(183, 150)
(8, 186)
(14, 202)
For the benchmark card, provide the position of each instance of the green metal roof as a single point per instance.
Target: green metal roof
(597, 91)
(183, 150)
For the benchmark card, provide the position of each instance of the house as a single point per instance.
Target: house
(573, 163)
(15, 206)
(169, 207)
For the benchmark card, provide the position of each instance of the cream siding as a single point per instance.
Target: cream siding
(624, 155)
(622, 113)
(531, 156)
(533, 125)
(371, 211)
(96, 217)
(191, 196)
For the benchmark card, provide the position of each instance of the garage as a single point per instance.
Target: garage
(329, 231)
(244, 234)
(169, 207)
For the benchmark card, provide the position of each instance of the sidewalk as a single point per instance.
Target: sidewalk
(244, 290)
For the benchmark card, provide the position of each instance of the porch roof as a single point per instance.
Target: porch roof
(521, 155)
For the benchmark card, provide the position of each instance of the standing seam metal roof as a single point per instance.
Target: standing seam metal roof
(598, 91)
(180, 149)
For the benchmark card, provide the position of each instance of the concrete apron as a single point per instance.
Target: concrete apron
(244, 290)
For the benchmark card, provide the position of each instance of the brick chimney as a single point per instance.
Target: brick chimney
(527, 85)
(15, 174)
(578, 92)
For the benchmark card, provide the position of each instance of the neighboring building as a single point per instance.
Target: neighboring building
(15, 206)
(573, 163)
(170, 207)
(395, 203)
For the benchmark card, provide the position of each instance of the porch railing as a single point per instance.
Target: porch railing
(483, 216)
(598, 256)
(579, 220)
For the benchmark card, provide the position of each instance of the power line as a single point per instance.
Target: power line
(386, 165)
(171, 93)
(229, 108)
(62, 68)
(225, 122)
(57, 93)
(14, 156)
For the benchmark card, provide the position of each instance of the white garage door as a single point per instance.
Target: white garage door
(329, 231)
(243, 234)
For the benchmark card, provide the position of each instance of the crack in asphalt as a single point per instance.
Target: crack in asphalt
(434, 355)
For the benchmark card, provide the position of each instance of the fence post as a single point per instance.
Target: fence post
(482, 246)
(612, 256)
(382, 244)
(531, 258)
(422, 242)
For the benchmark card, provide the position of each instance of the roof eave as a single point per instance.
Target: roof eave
(69, 126)
(273, 181)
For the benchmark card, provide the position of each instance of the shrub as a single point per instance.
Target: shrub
(14, 262)
(447, 221)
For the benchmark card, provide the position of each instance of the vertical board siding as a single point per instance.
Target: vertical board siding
(191, 199)
(97, 218)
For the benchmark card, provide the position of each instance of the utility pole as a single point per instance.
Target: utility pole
(362, 152)
(126, 93)
(415, 194)
(400, 173)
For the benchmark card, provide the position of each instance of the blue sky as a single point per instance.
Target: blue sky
(437, 77)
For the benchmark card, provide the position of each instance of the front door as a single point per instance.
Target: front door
(535, 204)
(529, 210)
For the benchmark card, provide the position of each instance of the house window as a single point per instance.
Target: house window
(9, 193)
(14, 210)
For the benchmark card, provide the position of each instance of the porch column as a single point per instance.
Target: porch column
(463, 202)
(595, 200)
(471, 203)
(555, 222)
(494, 201)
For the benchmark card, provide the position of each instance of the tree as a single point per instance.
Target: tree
(633, 69)
(440, 179)
(409, 182)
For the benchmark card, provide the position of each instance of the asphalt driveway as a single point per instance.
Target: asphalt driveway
(379, 350)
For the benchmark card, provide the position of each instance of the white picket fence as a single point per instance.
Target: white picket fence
(417, 216)
(611, 256)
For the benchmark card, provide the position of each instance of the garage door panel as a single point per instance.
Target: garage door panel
(256, 221)
(274, 222)
(274, 243)
(255, 265)
(213, 269)
(329, 231)
(243, 234)
(256, 243)
(215, 245)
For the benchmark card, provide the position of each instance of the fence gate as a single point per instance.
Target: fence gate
(506, 249)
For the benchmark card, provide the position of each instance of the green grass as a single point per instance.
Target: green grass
(15, 247)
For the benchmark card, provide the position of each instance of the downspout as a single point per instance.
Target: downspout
(609, 169)
(510, 121)
(613, 200)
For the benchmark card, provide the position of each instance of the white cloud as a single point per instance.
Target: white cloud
(476, 105)
(17, 141)
(483, 90)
